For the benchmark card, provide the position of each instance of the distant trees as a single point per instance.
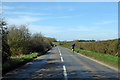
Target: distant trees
(62, 42)
(38, 43)
(53, 39)
(85, 40)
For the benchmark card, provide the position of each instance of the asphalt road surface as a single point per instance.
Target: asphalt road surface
(62, 63)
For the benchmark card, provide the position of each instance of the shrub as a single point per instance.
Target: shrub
(106, 47)
(19, 41)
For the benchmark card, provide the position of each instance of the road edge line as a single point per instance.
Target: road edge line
(98, 62)
(95, 60)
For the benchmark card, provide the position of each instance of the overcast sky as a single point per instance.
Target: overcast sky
(66, 20)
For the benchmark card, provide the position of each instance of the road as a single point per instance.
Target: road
(62, 63)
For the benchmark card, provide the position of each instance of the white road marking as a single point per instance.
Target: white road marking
(64, 68)
(60, 53)
(98, 62)
(65, 72)
(61, 59)
(116, 69)
(59, 50)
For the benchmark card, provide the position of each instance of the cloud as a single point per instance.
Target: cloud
(81, 28)
(100, 36)
(59, 29)
(23, 20)
(24, 13)
(71, 9)
(59, 17)
(45, 29)
(60, 0)
(4, 7)
(106, 22)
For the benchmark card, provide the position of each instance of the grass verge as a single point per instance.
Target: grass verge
(106, 58)
(56, 43)
(18, 61)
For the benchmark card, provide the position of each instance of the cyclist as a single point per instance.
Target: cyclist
(55, 45)
(73, 46)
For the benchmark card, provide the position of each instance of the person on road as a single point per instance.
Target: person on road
(55, 45)
(73, 46)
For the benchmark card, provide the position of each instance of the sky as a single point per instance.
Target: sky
(66, 20)
(60, 0)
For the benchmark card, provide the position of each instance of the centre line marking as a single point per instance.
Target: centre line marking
(60, 55)
(64, 68)
(62, 59)
(65, 72)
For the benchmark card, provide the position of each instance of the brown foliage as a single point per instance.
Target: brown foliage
(107, 47)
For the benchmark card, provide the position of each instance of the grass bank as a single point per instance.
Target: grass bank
(18, 61)
(106, 58)
(55, 43)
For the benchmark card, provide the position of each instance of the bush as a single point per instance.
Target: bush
(107, 47)
(19, 41)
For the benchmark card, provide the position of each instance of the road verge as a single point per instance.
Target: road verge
(106, 59)
(16, 62)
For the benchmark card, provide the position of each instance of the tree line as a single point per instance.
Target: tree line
(85, 40)
(18, 40)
